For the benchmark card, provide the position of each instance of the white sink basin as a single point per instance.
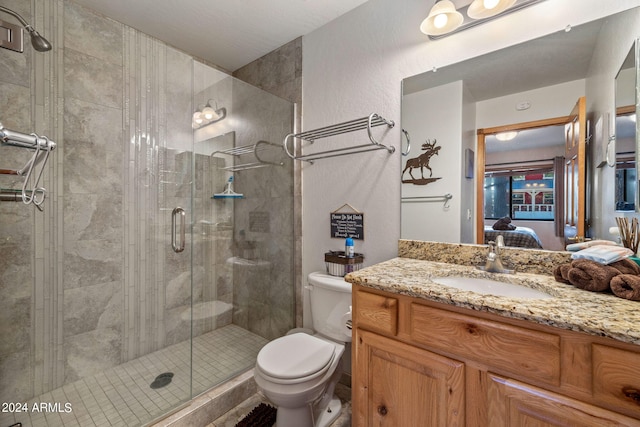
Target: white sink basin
(490, 287)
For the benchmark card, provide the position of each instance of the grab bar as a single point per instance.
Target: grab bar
(19, 139)
(43, 146)
(446, 197)
(406, 135)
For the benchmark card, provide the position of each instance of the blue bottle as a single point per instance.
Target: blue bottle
(349, 249)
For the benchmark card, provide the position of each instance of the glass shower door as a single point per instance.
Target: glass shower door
(243, 241)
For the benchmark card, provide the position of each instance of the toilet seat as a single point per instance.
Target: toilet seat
(295, 358)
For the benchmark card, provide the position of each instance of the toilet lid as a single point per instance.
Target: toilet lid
(295, 356)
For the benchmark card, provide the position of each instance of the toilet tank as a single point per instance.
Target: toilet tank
(330, 298)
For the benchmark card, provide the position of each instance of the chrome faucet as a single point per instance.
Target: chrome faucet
(494, 262)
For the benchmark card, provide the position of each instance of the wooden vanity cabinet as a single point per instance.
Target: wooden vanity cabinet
(421, 363)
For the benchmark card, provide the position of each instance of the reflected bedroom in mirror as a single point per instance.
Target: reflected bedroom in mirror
(536, 117)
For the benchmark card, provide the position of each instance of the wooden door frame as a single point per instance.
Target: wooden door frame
(481, 158)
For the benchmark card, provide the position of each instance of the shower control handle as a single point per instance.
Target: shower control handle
(178, 247)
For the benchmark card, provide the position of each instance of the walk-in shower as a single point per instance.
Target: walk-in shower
(109, 314)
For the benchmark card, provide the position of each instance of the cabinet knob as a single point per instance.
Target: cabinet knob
(382, 410)
(632, 393)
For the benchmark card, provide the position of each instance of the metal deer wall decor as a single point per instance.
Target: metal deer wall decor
(421, 162)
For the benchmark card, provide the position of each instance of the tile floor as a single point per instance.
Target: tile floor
(231, 418)
(122, 397)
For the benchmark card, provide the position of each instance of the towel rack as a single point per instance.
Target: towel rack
(369, 122)
(42, 147)
(417, 199)
(249, 149)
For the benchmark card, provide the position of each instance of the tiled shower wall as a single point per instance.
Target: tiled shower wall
(280, 73)
(91, 282)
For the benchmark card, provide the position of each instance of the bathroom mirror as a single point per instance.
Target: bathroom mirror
(625, 142)
(533, 81)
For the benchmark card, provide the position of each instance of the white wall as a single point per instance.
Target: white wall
(467, 187)
(354, 66)
(434, 114)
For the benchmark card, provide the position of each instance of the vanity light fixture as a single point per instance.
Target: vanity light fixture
(206, 114)
(444, 19)
(481, 9)
(506, 136)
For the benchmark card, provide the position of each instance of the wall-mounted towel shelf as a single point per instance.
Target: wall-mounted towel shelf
(418, 199)
(42, 146)
(254, 149)
(369, 122)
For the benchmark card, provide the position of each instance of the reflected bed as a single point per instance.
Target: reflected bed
(521, 237)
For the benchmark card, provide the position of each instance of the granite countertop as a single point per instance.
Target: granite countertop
(570, 308)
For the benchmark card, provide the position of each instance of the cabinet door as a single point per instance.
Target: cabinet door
(515, 404)
(399, 385)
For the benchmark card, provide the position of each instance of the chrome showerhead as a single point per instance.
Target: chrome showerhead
(38, 42)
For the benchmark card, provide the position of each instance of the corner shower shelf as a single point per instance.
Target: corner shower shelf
(363, 123)
(249, 149)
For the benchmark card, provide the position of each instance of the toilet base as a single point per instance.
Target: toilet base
(301, 417)
(330, 413)
(294, 417)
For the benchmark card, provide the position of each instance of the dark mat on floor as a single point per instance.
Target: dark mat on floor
(262, 415)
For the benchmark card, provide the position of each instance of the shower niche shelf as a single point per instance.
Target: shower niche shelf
(363, 123)
(255, 162)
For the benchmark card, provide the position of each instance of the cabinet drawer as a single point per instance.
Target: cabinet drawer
(507, 348)
(616, 378)
(377, 312)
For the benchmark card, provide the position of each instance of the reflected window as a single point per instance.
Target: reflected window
(527, 196)
(625, 186)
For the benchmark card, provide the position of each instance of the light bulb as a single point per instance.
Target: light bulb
(197, 118)
(209, 114)
(490, 4)
(440, 20)
(506, 136)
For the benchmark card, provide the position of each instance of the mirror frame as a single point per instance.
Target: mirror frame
(481, 135)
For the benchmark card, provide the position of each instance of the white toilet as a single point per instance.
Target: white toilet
(298, 372)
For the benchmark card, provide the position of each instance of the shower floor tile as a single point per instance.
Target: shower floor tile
(122, 396)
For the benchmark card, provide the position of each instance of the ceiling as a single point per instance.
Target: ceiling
(227, 33)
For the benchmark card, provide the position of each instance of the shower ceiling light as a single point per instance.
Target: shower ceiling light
(444, 20)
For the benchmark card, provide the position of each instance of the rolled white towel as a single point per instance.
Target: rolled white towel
(604, 254)
(574, 247)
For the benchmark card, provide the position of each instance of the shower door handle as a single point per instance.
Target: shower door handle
(178, 247)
